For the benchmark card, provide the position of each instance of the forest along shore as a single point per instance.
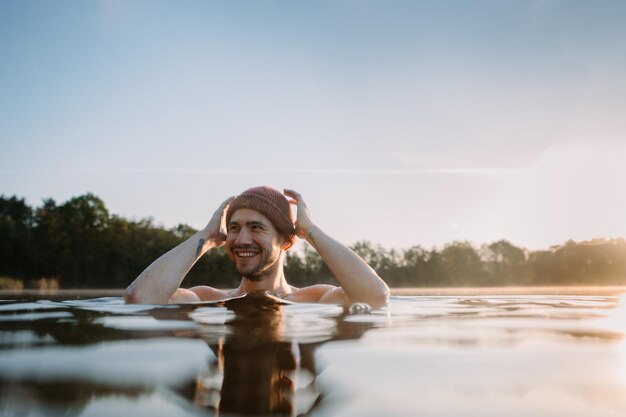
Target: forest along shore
(79, 244)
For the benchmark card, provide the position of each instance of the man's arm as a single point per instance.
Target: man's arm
(160, 281)
(359, 282)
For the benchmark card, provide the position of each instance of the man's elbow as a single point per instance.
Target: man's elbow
(380, 299)
(132, 296)
(375, 299)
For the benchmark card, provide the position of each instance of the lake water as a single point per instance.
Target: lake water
(430, 355)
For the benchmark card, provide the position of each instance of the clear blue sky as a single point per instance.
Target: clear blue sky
(401, 122)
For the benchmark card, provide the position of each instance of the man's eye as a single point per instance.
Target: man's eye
(232, 227)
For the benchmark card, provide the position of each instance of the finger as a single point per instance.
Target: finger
(296, 198)
(292, 193)
(226, 202)
(300, 204)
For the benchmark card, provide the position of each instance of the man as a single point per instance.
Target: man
(259, 228)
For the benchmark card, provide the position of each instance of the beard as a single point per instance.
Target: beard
(266, 264)
(258, 273)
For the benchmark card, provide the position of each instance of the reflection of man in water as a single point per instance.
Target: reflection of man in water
(258, 365)
(265, 365)
(259, 228)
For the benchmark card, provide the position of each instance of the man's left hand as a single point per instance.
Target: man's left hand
(304, 224)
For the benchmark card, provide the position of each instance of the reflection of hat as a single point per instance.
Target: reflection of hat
(272, 204)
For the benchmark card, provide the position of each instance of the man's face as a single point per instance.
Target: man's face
(253, 243)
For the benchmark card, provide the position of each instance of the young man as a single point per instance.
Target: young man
(259, 228)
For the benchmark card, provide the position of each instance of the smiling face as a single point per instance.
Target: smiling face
(254, 244)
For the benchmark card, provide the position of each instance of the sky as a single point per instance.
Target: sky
(400, 122)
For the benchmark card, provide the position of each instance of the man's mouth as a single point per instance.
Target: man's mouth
(245, 253)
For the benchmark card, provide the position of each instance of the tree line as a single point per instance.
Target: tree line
(79, 244)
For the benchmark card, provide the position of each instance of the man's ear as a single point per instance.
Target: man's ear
(286, 243)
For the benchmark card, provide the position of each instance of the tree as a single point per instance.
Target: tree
(387, 263)
(461, 265)
(415, 268)
(16, 222)
(505, 263)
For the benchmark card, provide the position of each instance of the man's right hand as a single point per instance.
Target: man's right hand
(160, 281)
(216, 230)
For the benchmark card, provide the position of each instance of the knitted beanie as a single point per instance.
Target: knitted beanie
(272, 204)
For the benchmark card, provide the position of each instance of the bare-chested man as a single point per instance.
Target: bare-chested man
(259, 228)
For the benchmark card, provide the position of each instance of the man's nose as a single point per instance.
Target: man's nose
(243, 237)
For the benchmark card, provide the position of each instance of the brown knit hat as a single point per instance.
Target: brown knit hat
(272, 204)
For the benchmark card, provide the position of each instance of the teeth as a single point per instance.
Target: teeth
(246, 254)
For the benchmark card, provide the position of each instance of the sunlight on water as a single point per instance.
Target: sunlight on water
(145, 362)
(529, 355)
(443, 355)
(144, 323)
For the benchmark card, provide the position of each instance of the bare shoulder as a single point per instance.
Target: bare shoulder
(207, 293)
(320, 293)
(199, 293)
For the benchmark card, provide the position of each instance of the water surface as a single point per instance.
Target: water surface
(435, 355)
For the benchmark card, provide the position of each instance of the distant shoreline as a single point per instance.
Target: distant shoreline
(541, 290)
(438, 291)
